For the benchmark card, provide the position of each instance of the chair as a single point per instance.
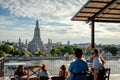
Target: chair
(107, 73)
(34, 78)
(44, 78)
(18, 78)
(34, 70)
(58, 78)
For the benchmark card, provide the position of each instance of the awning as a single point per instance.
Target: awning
(99, 11)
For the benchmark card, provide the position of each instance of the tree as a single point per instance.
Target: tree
(54, 51)
(40, 53)
(22, 53)
(67, 49)
(1, 53)
(8, 43)
(5, 48)
(0, 48)
(111, 49)
(88, 50)
(11, 52)
(74, 47)
(16, 53)
(30, 55)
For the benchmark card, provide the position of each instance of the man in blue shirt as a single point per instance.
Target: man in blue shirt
(78, 68)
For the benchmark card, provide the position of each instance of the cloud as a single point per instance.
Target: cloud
(113, 28)
(5, 21)
(43, 9)
(58, 24)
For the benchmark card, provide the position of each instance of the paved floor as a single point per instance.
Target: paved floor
(112, 77)
(115, 77)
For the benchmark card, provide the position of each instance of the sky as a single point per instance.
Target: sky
(18, 19)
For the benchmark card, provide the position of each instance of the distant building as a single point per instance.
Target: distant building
(0, 42)
(20, 45)
(85, 45)
(49, 45)
(36, 42)
(68, 43)
(99, 47)
(3, 43)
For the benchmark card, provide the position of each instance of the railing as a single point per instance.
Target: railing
(34, 58)
(1, 67)
(53, 64)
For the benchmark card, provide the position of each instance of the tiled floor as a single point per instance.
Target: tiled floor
(112, 77)
(115, 77)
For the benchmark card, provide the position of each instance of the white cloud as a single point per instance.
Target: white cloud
(5, 21)
(43, 9)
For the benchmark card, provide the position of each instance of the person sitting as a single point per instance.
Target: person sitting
(63, 72)
(90, 59)
(78, 68)
(20, 73)
(98, 66)
(43, 73)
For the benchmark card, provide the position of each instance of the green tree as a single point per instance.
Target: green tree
(8, 43)
(40, 53)
(67, 49)
(30, 55)
(1, 53)
(54, 51)
(16, 53)
(6, 48)
(0, 47)
(22, 53)
(11, 52)
(88, 50)
(74, 47)
(111, 49)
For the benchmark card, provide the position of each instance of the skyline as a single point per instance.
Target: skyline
(18, 17)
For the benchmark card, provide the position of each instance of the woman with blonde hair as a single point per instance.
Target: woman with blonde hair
(43, 73)
(63, 72)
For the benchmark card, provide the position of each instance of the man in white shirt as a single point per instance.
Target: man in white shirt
(97, 66)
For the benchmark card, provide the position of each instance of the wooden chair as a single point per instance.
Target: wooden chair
(107, 73)
(33, 70)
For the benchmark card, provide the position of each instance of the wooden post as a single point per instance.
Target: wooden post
(92, 34)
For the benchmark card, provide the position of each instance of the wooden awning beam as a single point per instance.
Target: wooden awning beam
(102, 10)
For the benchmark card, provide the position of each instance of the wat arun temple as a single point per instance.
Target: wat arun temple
(37, 44)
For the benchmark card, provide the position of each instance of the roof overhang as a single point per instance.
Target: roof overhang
(99, 11)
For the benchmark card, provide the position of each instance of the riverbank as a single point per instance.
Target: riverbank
(36, 58)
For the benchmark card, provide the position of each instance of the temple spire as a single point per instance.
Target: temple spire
(36, 41)
(19, 41)
(37, 23)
